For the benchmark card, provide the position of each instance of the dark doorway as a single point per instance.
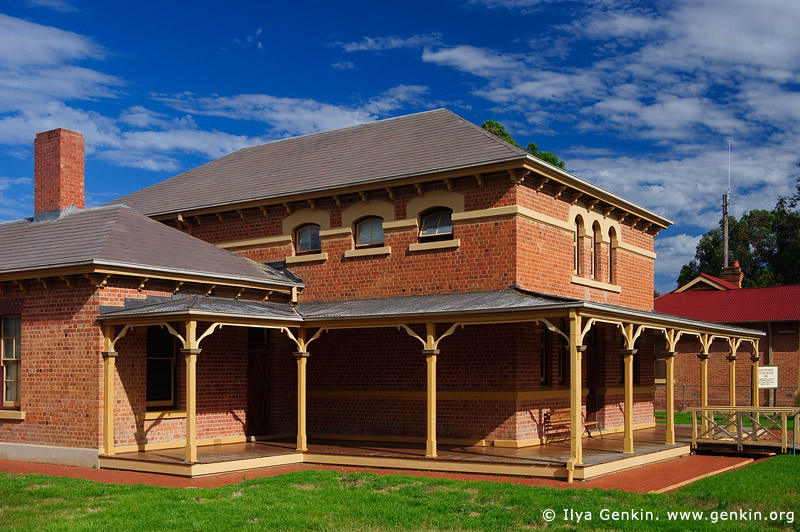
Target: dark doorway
(259, 422)
(592, 375)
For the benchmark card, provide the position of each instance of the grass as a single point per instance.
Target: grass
(327, 500)
(685, 418)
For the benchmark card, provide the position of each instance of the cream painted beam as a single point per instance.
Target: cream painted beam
(733, 345)
(109, 365)
(302, 436)
(754, 400)
(703, 389)
(669, 359)
(731, 380)
(430, 353)
(576, 414)
(302, 361)
(190, 353)
(627, 445)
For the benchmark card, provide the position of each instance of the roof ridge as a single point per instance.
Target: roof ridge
(494, 137)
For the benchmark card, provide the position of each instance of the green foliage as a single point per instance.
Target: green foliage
(766, 244)
(495, 128)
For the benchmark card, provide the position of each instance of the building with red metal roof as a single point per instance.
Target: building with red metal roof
(774, 310)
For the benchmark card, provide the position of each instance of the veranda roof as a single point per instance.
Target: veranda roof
(497, 306)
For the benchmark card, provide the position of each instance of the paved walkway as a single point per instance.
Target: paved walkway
(660, 477)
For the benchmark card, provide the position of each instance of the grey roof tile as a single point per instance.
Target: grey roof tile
(387, 149)
(117, 235)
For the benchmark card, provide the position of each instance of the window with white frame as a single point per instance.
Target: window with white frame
(11, 355)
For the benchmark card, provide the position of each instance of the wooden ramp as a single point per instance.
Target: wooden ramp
(745, 429)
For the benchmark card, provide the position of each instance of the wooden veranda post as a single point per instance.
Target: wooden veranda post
(627, 445)
(754, 375)
(109, 365)
(733, 344)
(672, 336)
(705, 345)
(302, 360)
(669, 361)
(630, 334)
(430, 353)
(575, 385)
(190, 353)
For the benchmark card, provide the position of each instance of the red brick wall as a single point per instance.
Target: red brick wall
(221, 389)
(345, 366)
(59, 169)
(61, 367)
(62, 370)
(687, 370)
(494, 253)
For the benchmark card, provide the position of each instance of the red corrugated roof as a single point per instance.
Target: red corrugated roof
(722, 282)
(775, 303)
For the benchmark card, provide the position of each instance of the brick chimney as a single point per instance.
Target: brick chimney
(733, 274)
(58, 170)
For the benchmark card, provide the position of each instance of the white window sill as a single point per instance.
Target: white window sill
(442, 244)
(368, 252)
(163, 414)
(315, 257)
(596, 284)
(12, 414)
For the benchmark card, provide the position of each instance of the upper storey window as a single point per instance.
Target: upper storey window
(369, 232)
(577, 255)
(436, 224)
(306, 239)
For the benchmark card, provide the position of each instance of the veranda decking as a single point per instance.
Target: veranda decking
(600, 456)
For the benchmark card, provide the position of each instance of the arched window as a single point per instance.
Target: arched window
(612, 256)
(306, 239)
(596, 238)
(577, 254)
(436, 224)
(369, 232)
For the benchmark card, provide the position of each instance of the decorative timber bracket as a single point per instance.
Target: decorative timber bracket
(430, 343)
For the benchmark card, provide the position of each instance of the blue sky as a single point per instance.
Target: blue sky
(641, 98)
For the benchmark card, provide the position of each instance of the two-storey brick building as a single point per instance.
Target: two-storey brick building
(412, 280)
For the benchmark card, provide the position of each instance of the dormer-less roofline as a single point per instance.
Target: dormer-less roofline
(588, 193)
(409, 150)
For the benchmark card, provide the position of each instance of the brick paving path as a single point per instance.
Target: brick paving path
(662, 477)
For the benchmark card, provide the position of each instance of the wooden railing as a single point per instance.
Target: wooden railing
(745, 425)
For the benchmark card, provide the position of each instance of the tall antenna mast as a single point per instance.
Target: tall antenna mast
(725, 213)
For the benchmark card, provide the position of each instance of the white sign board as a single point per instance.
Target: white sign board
(767, 377)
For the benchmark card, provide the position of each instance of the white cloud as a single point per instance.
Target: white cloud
(56, 5)
(343, 65)
(28, 44)
(376, 44)
(292, 116)
(18, 206)
(478, 61)
(673, 252)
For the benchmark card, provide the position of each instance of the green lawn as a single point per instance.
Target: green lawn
(326, 500)
(685, 418)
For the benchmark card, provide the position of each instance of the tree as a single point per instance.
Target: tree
(546, 156)
(495, 128)
(766, 244)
